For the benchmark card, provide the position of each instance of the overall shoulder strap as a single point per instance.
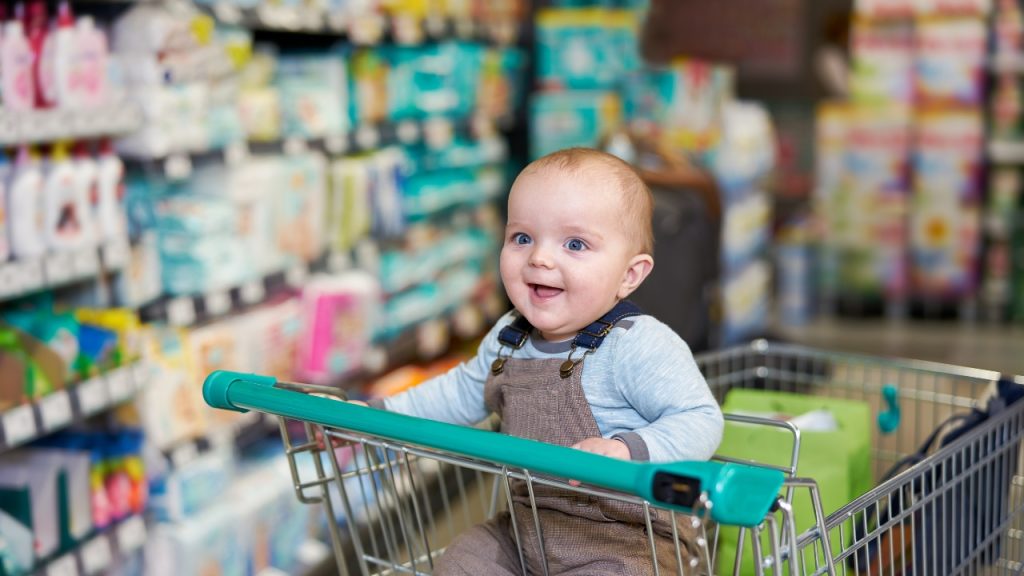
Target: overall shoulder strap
(593, 335)
(515, 334)
(590, 337)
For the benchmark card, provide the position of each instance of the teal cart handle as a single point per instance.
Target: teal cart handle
(741, 495)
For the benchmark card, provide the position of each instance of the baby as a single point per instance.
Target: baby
(575, 364)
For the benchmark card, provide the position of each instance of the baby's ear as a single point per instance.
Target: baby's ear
(639, 268)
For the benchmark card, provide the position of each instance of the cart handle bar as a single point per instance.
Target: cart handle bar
(740, 495)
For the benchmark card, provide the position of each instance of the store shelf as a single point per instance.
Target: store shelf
(245, 431)
(1006, 64)
(366, 30)
(39, 126)
(27, 276)
(74, 403)
(435, 133)
(1006, 151)
(980, 345)
(97, 554)
(184, 311)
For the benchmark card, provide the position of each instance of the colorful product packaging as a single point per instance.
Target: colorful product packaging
(945, 239)
(883, 62)
(862, 198)
(950, 60)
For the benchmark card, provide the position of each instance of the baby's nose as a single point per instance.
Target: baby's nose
(540, 257)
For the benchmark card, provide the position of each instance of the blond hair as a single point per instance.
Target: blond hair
(636, 196)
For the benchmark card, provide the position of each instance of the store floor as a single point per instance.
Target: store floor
(990, 347)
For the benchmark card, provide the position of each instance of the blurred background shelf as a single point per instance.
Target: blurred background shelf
(987, 346)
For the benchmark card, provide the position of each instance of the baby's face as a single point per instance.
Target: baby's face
(567, 252)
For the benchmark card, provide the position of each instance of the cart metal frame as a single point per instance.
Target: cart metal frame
(398, 489)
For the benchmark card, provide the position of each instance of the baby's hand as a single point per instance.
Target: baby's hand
(604, 447)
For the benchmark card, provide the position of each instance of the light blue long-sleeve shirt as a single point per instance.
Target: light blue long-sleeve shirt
(642, 385)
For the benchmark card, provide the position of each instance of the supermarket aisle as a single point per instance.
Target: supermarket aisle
(977, 345)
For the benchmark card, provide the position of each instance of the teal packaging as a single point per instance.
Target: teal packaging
(575, 118)
(314, 94)
(585, 49)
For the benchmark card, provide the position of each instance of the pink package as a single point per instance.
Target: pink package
(339, 313)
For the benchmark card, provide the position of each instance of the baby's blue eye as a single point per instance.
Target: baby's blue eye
(520, 238)
(575, 245)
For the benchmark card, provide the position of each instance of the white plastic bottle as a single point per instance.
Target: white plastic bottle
(89, 73)
(111, 221)
(25, 207)
(58, 61)
(5, 176)
(86, 171)
(64, 210)
(16, 69)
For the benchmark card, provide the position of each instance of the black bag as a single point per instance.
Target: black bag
(963, 508)
(681, 289)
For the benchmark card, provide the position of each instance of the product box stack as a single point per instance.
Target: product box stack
(900, 163)
(593, 84)
(1003, 221)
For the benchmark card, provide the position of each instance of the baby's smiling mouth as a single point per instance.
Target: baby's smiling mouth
(545, 291)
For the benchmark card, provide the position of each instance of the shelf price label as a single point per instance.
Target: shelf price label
(468, 321)
(293, 146)
(432, 338)
(217, 303)
(55, 408)
(116, 253)
(252, 292)
(19, 425)
(8, 129)
(313, 552)
(93, 396)
(96, 555)
(436, 25)
(296, 275)
(10, 280)
(367, 137)
(141, 372)
(181, 311)
(336, 143)
(227, 12)
(131, 535)
(236, 152)
(121, 384)
(184, 454)
(86, 263)
(407, 131)
(32, 275)
(438, 132)
(178, 167)
(60, 267)
(63, 566)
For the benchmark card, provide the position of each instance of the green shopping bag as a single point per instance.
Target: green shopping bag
(839, 460)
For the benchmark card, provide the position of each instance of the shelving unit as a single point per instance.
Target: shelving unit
(39, 126)
(61, 408)
(27, 276)
(1006, 151)
(67, 273)
(99, 552)
(185, 311)
(433, 132)
(359, 29)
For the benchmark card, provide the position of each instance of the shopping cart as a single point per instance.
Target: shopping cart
(946, 457)
(398, 489)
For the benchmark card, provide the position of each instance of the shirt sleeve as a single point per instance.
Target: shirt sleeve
(655, 372)
(457, 396)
